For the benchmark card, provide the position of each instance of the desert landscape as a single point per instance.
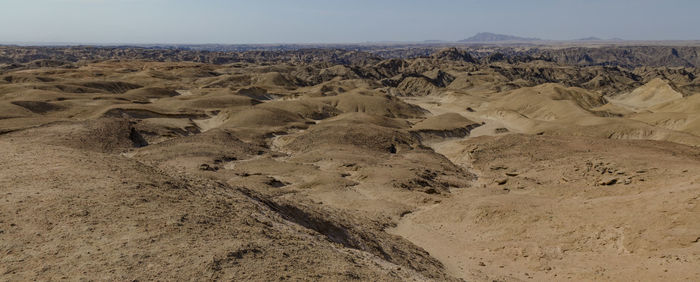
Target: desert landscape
(432, 162)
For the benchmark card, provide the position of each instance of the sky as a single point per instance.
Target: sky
(338, 21)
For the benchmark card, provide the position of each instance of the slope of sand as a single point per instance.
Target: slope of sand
(117, 219)
(655, 92)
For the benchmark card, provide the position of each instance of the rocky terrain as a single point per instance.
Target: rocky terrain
(381, 164)
(563, 53)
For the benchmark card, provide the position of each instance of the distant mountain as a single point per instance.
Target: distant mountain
(592, 38)
(493, 37)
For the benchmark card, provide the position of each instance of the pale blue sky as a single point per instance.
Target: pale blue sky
(337, 21)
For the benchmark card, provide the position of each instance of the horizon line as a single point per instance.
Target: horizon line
(423, 42)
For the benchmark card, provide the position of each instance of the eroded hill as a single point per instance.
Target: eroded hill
(342, 165)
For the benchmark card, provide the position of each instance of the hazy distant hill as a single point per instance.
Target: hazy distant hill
(492, 37)
(592, 38)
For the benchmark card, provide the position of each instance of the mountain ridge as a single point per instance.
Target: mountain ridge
(494, 37)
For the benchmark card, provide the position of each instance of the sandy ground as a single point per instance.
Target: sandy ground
(552, 220)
